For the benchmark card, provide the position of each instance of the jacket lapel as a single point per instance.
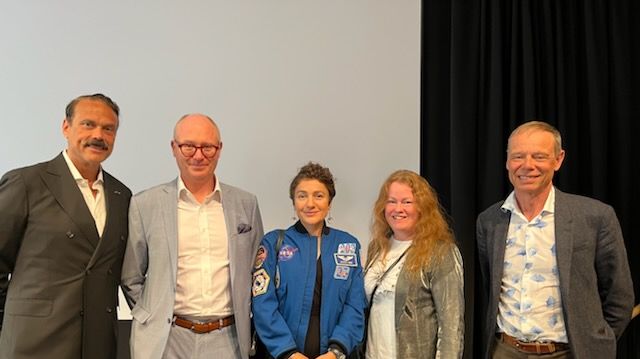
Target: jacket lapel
(498, 248)
(231, 223)
(113, 204)
(66, 192)
(564, 242)
(112, 199)
(169, 208)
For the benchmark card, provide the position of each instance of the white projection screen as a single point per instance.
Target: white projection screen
(287, 81)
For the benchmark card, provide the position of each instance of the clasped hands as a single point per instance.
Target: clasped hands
(327, 355)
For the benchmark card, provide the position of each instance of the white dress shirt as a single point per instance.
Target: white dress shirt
(530, 307)
(203, 279)
(96, 204)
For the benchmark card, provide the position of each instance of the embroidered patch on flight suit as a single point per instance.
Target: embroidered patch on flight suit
(286, 252)
(349, 260)
(260, 282)
(347, 248)
(341, 272)
(260, 257)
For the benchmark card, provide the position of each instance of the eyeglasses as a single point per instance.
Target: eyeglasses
(189, 150)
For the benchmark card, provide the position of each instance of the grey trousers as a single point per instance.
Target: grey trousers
(218, 344)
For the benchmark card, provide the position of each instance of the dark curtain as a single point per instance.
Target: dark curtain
(488, 66)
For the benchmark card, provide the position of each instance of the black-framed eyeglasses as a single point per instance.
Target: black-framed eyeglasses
(189, 150)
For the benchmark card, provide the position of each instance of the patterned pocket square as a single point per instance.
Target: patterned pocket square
(243, 228)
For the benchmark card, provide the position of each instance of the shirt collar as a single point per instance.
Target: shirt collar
(511, 205)
(76, 174)
(183, 191)
(300, 228)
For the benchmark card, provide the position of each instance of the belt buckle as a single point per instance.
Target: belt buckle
(193, 327)
(544, 347)
(540, 347)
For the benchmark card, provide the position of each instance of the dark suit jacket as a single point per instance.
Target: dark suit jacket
(61, 299)
(595, 281)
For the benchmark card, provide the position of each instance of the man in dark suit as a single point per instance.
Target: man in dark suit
(554, 265)
(63, 233)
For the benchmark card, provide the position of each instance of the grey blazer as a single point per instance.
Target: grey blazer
(62, 296)
(595, 280)
(150, 264)
(429, 310)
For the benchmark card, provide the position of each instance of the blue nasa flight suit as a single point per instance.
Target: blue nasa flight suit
(281, 310)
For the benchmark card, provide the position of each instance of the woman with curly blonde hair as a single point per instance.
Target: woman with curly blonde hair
(413, 275)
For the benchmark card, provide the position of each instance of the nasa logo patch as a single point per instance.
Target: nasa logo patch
(286, 253)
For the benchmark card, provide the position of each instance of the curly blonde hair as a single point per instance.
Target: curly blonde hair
(432, 231)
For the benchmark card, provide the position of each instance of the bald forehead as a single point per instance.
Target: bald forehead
(195, 119)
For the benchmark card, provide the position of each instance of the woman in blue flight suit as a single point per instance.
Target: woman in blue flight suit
(308, 289)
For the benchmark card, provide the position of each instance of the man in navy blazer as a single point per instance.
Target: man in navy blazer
(63, 231)
(554, 265)
(187, 268)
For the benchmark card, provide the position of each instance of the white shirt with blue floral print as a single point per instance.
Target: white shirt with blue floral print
(530, 307)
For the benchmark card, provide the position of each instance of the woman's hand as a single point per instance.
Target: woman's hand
(298, 355)
(327, 355)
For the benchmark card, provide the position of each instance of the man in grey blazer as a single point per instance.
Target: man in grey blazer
(187, 267)
(554, 265)
(63, 231)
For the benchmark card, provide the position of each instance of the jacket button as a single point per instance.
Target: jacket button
(109, 310)
(81, 313)
(109, 271)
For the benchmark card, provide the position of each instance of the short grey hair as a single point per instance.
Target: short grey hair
(538, 126)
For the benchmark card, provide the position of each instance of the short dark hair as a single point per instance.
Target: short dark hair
(314, 171)
(71, 107)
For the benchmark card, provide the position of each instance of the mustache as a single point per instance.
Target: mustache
(97, 143)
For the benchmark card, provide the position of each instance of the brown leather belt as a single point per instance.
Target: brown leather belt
(202, 328)
(532, 347)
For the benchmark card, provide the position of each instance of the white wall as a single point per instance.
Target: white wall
(332, 81)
